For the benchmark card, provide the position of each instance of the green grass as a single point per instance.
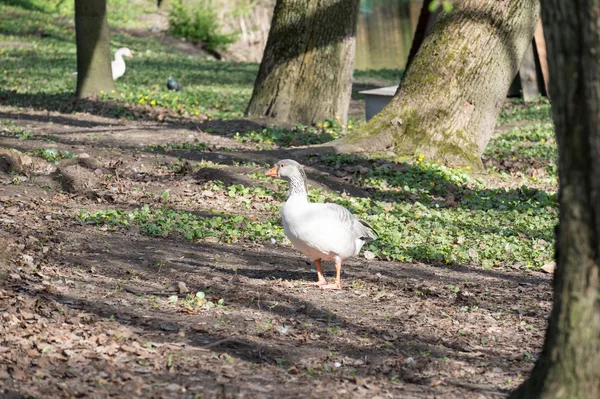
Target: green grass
(534, 144)
(517, 110)
(39, 58)
(535, 141)
(410, 212)
(52, 154)
(161, 222)
(295, 136)
(121, 13)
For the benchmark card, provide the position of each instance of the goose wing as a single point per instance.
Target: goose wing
(359, 228)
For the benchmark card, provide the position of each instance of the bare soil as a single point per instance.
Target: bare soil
(86, 312)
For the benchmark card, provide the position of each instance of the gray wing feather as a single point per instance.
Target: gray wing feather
(360, 228)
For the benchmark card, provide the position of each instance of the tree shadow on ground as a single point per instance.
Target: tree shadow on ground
(278, 301)
(237, 275)
(274, 132)
(67, 103)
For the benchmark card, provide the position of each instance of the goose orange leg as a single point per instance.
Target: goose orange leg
(338, 270)
(322, 280)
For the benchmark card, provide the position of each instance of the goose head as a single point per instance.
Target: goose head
(123, 52)
(293, 172)
(287, 169)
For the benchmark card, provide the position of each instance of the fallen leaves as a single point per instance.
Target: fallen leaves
(549, 267)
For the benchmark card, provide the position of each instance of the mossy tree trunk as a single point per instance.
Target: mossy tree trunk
(93, 52)
(450, 97)
(306, 72)
(569, 366)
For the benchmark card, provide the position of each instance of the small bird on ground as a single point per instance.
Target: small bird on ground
(172, 84)
(320, 231)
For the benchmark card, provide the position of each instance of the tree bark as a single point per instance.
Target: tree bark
(448, 101)
(93, 53)
(528, 76)
(306, 72)
(569, 366)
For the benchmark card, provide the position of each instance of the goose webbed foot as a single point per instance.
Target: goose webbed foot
(331, 286)
(321, 280)
(338, 269)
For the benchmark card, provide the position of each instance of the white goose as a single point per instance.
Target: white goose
(118, 65)
(319, 231)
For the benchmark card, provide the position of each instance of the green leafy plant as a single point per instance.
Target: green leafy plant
(199, 26)
(445, 4)
(52, 154)
(297, 135)
(164, 222)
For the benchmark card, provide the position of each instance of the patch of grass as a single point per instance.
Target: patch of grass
(410, 208)
(429, 212)
(528, 150)
(535, 141)
(9, 129)
(298, 135)
(188, 146)
(52, 154)
(518, 110)
(121, 13)
(163, 222)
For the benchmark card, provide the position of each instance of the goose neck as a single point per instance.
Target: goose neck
(298, 187)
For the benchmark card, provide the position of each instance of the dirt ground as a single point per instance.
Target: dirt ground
(86, 311)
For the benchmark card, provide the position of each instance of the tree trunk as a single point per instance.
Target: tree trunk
(448, 101)
(93, 53)
(569, 366)
(306, 72)
(528, 76)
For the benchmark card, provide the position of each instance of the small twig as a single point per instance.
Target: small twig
(217, 343)
(161, 293)
(474, 387)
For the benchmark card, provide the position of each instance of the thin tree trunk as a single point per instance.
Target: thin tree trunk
(420, 33)
(306, 72)
(540, 45)
(93, 53)
(448, 101)
(569, 366)
(528, 76)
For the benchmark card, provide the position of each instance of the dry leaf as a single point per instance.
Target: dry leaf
(549, 267)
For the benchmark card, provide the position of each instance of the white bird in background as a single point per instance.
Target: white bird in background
(118, 65)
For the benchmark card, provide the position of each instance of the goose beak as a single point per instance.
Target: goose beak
(272, 172)
(130, 55)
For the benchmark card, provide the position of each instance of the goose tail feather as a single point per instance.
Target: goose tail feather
(368, 233)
